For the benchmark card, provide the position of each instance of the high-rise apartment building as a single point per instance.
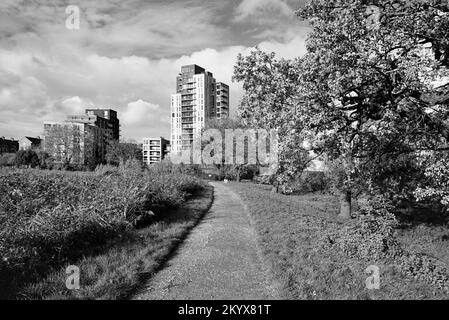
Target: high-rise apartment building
(194, 103)
(222, 100)
(154, 150)
(111, 116)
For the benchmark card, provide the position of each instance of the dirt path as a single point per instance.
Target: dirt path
(219, 260)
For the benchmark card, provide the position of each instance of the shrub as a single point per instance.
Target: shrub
(27, 158)
(308, 181)
(265, 179)
(437, 188)
(372, 237)
(7, 159)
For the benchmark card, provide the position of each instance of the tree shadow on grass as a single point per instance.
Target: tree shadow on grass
(416, 216)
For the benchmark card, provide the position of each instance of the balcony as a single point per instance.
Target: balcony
(188, 96)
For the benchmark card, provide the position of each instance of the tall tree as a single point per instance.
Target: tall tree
(270, 102)
(365, 78)
(235, 124)
(121, 152)
(372, 86)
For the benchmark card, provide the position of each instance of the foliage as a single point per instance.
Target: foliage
(270, 101)
(437, 187)
(232, 171)
(49, 217)
(45, 160)
(290, 229)
(62, 142)
(365, 90)
(236, 173)
(120, 152)
(7, 159)
(307, 182)
(27, 158)
(373, 238)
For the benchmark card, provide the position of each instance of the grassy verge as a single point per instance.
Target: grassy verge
(119, 268)
(50, 219)
(292, 233)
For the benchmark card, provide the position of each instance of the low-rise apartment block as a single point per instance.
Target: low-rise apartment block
(82, 139)
(154, 150)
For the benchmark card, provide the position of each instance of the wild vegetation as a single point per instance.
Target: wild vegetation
(51, 218)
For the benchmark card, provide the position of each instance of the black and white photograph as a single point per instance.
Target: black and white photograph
(224, 158)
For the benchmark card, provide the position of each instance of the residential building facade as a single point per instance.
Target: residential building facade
(8, 145)
(105, 132)
(193, 104)
(222, 105)
(111, 116)
(82, 139)
(74, 143)
(154, 150)
(27, 143)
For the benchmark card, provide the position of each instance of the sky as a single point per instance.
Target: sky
(126, 55)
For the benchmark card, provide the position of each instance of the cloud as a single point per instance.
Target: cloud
(125, 57)
(75, 105)
(248, 8)
(139, 112)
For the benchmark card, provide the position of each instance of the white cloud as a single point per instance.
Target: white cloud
(47, 72)
(248, 8)
(139, 112)
(76, 105)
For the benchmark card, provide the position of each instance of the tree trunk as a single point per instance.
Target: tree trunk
(345, 205)
(238, 175)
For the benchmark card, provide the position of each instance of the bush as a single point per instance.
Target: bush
(265, 179)
(307, 182)
(372, 238)
(27, 158)
(7, 159)
(244, 172)
(436, 187)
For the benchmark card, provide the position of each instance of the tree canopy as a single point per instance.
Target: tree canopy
(372, 86)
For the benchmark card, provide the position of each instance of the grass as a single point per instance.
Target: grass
(50, 219)
(119, 269)
(291, 231)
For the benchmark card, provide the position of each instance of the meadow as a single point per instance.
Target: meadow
(315, 255)
(51, 219)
